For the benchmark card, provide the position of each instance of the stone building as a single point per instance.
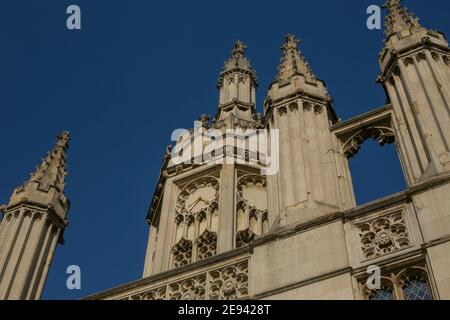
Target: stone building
(33, 224)
(281, 222)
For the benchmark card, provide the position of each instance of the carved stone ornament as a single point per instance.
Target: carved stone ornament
(182, 253)
(408, 61)
(198, 196)
(446, 59)
(229, 283)
(251, 209)
(226, 283)
(382, 135)
(190, 289)
(207, 245)
(383, 235)
(195, 221)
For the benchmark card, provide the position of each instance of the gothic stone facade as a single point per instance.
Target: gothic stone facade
(229, 231)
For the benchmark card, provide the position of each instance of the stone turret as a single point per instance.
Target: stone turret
(237, 86)
(33, 223)
(314, 178)
(416, 75)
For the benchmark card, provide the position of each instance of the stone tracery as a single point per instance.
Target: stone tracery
(229, 283)
(251, 209)
(383, 235)
(383, 135)
(207, 245)
(226, 283)
(196, 221)
(182, 253)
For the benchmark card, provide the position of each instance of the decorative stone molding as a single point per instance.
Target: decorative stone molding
(157, 294)
(421, 56)
(383, 135)
(190, 289)
(182, 253)
(307, 105)
(408, 61)
(229, 283)
(446, 59)
(282, 110)
(435, 56)
(318, 109)
(251, 209)
(226, 283)
(383, 235)
(293, 106)
(206, 245)
(244, 238)
(37, 215)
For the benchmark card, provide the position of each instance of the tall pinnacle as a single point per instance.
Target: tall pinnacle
(52, 170)
(239, 50)
(237, 63)
(293, 62)
(399, 18)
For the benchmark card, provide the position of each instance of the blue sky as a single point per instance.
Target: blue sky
(139, 69)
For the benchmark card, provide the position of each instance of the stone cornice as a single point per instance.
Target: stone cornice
(410, 256)
(287, 231)
(396, 55)
(241, 252)
(303, 283)
(271, 105)
(375, 113)
(39, 207)
(436, 242)
(236, 103)
(376, 205)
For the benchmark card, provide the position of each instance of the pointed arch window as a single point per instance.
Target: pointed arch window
(417, 289)
(409, 284)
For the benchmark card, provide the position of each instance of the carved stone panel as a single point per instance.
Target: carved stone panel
(229, 283)
(196, 221)
(190, 289)
(225, 283)
(251, 208)
(384, 235)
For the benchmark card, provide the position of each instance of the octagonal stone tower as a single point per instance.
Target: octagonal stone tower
(33, 223)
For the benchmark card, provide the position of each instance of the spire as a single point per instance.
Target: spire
(52, 170)
(399, 18)
(36, 215)
(237, 62)
(293, 62)
(239, 50)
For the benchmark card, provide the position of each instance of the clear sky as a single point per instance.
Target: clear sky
(138, 70)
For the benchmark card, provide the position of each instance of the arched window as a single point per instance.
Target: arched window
(408, 284)
(385, 292)
(414, 284)
(376, 172)
(382, 294)
(416, 289)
